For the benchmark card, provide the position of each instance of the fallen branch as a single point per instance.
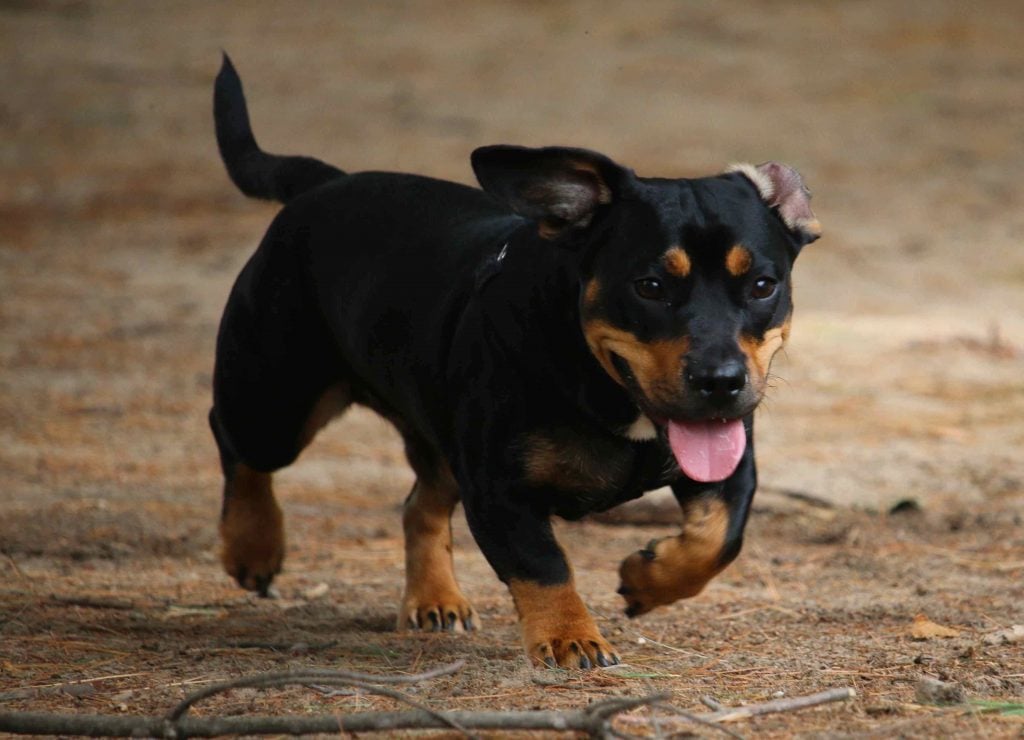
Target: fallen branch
(594, 720)
(36, 723)
(780, 705)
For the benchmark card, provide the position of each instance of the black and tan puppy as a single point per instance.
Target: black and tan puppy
(559, 342)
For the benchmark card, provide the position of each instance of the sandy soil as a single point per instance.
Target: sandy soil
(120, 236)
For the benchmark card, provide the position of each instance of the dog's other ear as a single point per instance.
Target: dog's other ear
(559, 187)
(783, 189)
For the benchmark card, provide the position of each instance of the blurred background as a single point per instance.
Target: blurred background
(120, 236)
(121, 233)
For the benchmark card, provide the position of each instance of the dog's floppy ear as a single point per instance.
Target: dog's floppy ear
(560, 187)
(783, 189)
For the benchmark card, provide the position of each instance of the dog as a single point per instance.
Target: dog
(560, 341)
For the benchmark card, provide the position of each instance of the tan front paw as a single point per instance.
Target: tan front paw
(557, 629)
(568, 646)
(437, 610)
(663, 572)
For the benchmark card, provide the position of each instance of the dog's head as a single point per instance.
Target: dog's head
(685, 293)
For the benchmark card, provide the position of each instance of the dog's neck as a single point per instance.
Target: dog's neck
(529, 289)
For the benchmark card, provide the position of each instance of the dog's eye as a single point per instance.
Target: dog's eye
(763, 287)
(650, 288)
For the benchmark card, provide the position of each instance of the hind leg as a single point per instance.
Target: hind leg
(432, 598)
(277, 379)
(251, 521)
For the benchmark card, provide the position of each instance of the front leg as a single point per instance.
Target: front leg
(714, 517)
(513, 528)
(432, 598)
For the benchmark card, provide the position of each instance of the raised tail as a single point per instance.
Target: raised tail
(256, 173)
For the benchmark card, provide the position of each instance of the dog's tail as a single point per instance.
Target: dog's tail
(256, 173)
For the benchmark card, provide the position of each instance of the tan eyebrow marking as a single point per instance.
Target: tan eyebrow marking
(677, 262)
(738, 260)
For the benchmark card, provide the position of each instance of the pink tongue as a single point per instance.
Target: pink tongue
(707, 451)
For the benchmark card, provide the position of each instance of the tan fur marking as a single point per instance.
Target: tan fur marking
(430, 586)
(556, 625)
(251, 529)
(545, 463)
(658, 366)
(331, 404)
(677, 262)
(597, 333)
(590, 293)
(760, 353)
(548, 230)
(738, 260)
(571, 460)
(682, 565)
(604, 193)
(810, 226)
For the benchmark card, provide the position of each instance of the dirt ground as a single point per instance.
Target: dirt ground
(890, 450)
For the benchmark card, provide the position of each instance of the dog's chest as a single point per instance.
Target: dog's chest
(592, 470)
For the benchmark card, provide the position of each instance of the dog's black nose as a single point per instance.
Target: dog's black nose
(719, 384)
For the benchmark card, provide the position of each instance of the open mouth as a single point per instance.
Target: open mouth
(707, 451)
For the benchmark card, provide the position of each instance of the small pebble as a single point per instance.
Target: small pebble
(933, 691)
(316, 591)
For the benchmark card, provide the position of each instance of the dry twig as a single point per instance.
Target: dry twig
(365, 681)
(300, 677)
(732, 714)
(698, 719)
(780, 705)
(711, 703)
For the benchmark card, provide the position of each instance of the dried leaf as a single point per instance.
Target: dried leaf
(925, 629)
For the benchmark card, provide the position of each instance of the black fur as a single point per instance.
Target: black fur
(460, 315)
(254, 172)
